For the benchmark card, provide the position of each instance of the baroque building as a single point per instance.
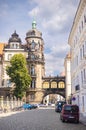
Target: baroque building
(77, 42)
(13, 47)
(33, 50)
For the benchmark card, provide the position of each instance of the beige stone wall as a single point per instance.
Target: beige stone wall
(39, 76)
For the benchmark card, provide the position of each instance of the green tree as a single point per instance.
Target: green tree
(18, 74)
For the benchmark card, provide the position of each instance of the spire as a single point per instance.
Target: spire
(34, 24)
(15, 31)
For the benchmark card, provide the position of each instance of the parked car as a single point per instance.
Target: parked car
(27, 106)
(70, 113)
(58, 106)
(34, 106)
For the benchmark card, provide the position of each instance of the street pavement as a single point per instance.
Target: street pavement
(36, 119)
(2, 114)
(83, 119)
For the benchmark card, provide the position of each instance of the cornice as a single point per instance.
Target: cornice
(78, 15)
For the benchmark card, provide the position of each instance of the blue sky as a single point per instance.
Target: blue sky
(54, 19)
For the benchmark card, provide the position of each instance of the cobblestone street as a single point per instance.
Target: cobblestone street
(38, 119)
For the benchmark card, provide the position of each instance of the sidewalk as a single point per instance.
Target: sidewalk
(4, 114)
(83, 119)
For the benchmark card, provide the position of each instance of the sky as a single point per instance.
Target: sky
(54, 19)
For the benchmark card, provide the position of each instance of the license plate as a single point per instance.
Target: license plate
(71, 117)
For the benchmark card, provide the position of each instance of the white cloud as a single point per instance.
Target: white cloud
(54, 65)
(53, 13)
(54, 19)
(3, 10)
(34, 12)
(55, 59)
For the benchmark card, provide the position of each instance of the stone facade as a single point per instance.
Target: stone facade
(36, 64)
(77, 42)
(67, 63)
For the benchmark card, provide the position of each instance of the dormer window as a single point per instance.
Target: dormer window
(14, 41)
(33, 33)
(14, 45)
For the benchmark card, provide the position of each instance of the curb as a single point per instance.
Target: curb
(8, 114)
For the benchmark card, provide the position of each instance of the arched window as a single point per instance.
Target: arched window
(33, 84)
(61, 84)
(46, 85)
(53, 84)
(12, 45)
(17, 45)
(33, 45)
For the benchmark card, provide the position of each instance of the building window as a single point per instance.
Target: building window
(85, 46)
(32, 70)
(17, 46)
(32, 96)
(9, 56)
(8, 83)
(53, 84)
(46, 85)
(61, 85)
(84, 18)
(82, 76)
(76, 39)
(77, 87)
(82, 24)
(81, 54)
(12, 46)
(83, 50)
(32, 56)
(33, 84)
(33, 45)
(83, 104)
(3, 82)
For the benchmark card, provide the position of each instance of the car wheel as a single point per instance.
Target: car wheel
(60, 117)
(77, 121)
(63, 120)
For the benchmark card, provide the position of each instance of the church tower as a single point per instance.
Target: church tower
(36, 63)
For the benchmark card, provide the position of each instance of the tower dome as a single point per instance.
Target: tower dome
(15, 38)
(35, 33)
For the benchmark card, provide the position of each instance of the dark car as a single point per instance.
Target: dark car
(58, 106)
(70, 113)
(34, 106)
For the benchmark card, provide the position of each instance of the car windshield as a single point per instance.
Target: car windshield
(60, 103)
(71, 108)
